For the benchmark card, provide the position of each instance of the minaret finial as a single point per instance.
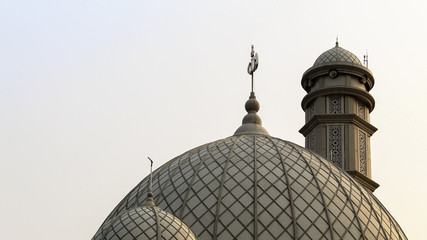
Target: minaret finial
(150, 201)
(336, 42)
(253, 65)
(365, 59)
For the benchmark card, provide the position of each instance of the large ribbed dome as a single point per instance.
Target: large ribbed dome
(260, 187)
(336, 55)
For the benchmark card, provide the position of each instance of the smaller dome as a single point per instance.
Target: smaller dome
(145, 223)
(337, 54)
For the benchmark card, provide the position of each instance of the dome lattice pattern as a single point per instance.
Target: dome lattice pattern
(144, 223)
(337, 54)
(260, 187)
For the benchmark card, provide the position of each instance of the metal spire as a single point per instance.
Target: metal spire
(253, 65)
(150, 201)
(336, 42)
(151, 175)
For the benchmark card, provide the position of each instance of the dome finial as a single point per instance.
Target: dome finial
(336, 42)
(149, 201)
(251, 123)
(253, 65)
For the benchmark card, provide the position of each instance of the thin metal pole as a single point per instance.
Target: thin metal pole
(252, 90)
(151, 175)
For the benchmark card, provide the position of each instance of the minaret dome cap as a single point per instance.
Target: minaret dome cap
(335, 55)
(339, 60)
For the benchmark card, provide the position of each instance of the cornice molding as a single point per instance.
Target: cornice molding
(361, 94)
(368, 183)
(341, 67)
(337, 118)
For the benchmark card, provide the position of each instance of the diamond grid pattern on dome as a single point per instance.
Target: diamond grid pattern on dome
(274, 208)
(204, 192)
(259, 187)
(310, 214)
(396, 231)
(174, 200)
(173, 228)
(236, 208)
(141, 224)
(337, 54)
(385, 223)
(343, 220)
(173, 196)
(134, 225)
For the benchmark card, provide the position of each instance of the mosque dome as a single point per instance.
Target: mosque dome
(336, 55)
(254, 186)
(261, 187)
(145, 222)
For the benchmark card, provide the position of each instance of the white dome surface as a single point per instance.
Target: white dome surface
(260, 187)
(144, 223)
(335, 55)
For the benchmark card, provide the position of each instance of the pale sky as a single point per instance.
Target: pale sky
(89, 89)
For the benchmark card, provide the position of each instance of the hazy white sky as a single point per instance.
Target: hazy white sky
(89, 89)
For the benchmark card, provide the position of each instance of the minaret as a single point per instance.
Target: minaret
(337, 108)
